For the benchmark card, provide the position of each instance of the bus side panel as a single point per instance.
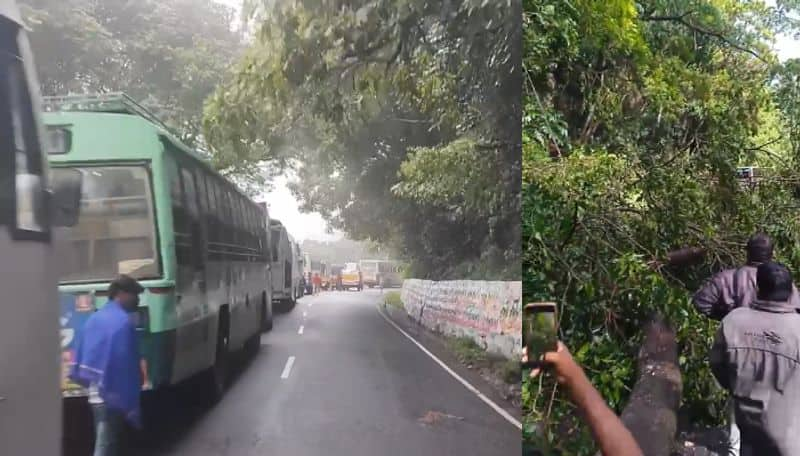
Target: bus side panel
(197, 326)
(29, 373)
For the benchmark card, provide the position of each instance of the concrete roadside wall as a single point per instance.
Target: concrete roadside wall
(487, 312)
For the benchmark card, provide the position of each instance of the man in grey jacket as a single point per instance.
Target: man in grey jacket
(736, 287)
(756, 356)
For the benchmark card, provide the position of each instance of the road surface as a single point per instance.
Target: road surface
(334, 378)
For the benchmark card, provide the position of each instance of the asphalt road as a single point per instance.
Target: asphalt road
(356, 387)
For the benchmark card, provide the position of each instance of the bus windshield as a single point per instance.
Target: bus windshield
(115, 232)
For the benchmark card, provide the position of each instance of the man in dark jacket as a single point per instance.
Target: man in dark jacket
(736, 287)
(756, 356)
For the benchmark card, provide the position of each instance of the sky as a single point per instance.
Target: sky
(301, 225)
(787, 47)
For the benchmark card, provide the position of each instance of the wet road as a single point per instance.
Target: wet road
(334, 378)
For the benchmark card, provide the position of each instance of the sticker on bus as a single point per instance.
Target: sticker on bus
(75, 312)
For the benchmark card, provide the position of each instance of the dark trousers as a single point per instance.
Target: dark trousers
(108, 427)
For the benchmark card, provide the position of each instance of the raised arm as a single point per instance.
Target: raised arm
(608, 430)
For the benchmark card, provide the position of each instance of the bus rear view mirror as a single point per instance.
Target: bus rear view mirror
(66, 187)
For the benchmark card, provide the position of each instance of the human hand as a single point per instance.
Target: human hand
(566, 369)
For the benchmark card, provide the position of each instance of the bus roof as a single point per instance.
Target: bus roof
(108, 129)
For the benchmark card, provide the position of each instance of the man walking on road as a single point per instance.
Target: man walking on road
(756, 357)
(107, 363)
(317, 282)
(734, 288)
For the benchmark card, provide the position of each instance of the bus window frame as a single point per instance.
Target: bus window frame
(148, 168)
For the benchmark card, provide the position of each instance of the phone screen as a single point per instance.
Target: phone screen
(539, 330)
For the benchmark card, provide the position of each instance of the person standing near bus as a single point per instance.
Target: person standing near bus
(107, 363)
(317, 282)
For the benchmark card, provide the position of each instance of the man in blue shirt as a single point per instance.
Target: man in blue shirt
(107, 363)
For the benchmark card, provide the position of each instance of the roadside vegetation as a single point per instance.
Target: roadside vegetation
(392, 298)
(636, 117)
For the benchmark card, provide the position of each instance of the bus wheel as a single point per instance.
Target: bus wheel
(266, 314)
(216, 377)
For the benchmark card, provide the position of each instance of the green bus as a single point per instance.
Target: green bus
(154, 209)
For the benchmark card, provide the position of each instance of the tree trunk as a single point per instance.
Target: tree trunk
(652, 411)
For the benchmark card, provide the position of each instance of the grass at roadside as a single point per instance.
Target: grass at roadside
(466, 350)
(470, 353)
(392, 298)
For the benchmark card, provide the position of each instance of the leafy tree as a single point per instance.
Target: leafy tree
(169, 55)
(637, 114)
(364, 100)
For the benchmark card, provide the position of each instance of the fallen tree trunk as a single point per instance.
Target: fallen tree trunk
(652, 411)
(687, 256)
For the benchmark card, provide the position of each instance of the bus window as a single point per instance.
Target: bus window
(213, 210)
(23, 203)
(236, 209)
(180, 222)
(202, 195)
(115, 230)
(190, 194)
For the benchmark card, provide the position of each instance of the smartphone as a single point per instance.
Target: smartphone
(539, 331)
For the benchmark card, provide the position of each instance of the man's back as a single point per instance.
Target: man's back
(759, 362)
(728, 290)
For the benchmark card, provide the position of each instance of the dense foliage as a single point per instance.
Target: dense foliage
(400, 119)
(636, 116)
(168, 54)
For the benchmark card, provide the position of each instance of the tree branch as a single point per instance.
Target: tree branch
(681, 19)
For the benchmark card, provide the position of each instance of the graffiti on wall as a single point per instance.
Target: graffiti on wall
(488, 312)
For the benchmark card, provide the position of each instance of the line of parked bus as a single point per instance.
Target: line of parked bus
(100, 188)
(213, 263)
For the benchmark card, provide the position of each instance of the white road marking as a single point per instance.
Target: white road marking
(300, 331)
(305, 314)
(466, 384)
(288, 368)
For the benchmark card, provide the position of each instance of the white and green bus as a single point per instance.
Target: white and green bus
(154, 209)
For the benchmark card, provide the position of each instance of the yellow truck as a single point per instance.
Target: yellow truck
(351, 277)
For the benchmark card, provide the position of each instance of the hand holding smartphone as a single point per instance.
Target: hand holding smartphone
(539, 331)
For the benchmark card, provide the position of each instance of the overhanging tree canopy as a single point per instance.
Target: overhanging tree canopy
(365, 100)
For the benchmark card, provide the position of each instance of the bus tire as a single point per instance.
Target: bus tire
(216, 377)
(267, 319)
